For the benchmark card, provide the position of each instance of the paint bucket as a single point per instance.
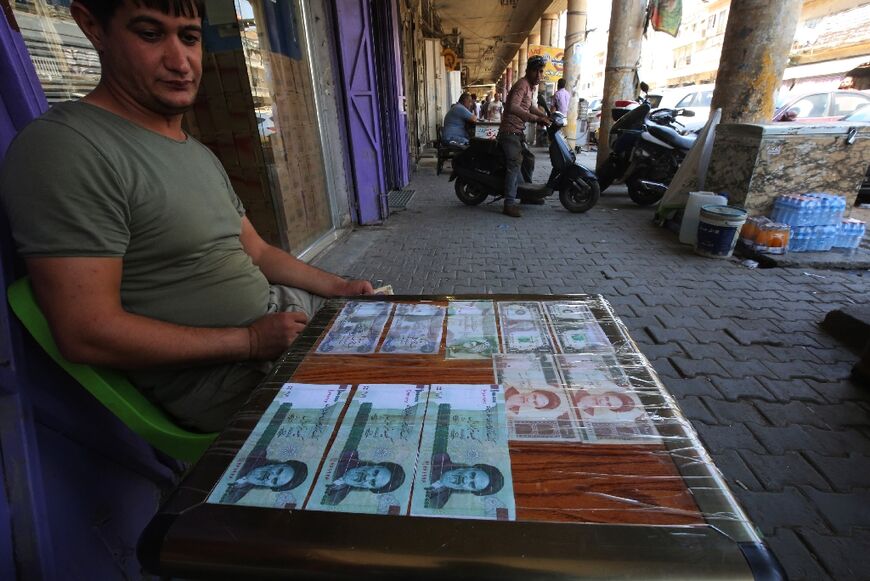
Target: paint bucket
(718, 230)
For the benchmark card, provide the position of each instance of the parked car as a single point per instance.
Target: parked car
(696, 99)
(861, 115)
(822, 107)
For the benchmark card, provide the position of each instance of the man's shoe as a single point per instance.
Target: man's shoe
(512, 211)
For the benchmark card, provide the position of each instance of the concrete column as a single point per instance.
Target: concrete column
(549, 29)
(623, 56)
(575, 38)
(515, 67)
(535, 35)
(523, 57)
(509, 81)
(755, 52)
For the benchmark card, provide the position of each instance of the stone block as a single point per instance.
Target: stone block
(746, 387)
(785, 508)
(790, 469)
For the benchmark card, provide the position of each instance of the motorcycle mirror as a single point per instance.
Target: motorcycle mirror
(687, 113)
(644, 87)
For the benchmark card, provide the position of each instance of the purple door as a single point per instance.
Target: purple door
(356, 54)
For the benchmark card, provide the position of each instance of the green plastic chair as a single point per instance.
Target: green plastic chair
(111, 388)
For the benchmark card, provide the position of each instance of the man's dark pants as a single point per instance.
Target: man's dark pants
(514, 154)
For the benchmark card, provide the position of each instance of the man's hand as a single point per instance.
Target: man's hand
(272, 334)
(544, 120)
(357, 287)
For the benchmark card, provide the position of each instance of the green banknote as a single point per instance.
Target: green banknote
(471, 330)
(370, 467)
(277, 463)
(465, 468)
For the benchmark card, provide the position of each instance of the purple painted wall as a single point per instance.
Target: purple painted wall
(356, 56)
(403, 161)
(77, 486)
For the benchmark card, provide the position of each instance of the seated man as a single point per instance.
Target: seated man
(138, 248)
(455, 130)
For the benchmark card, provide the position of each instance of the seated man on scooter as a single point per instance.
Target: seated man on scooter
(511, 133)
(455, 131)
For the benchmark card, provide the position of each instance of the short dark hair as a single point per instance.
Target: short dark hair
(104, 10)
(561, 83)
(463, 96)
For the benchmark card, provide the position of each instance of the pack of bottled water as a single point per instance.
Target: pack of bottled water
(817, 209)
(847, 234)
(850, 233)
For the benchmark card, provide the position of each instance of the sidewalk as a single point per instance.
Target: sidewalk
(740, 349)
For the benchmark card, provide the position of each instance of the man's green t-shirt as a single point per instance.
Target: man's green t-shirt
(81, 181)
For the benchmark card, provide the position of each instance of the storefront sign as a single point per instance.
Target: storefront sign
(554, 56)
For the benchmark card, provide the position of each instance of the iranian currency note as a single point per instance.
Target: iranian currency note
(370, 466)
(464, 469)
(275, 467)
(357, 329)
(415, 329)
(580, 370)
(471, 330)
(612, 415)
(523, 328)
(536, 404)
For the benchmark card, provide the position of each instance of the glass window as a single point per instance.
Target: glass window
(704, 99)
(811, 106)
(66, 64)
(862, 114)
(686, 101)
(845, 103)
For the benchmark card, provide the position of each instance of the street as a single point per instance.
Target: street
(740, 349)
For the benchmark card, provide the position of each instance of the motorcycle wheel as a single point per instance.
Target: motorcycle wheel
(640, 196)
(577, 201)
(467, 193)
(606, 174)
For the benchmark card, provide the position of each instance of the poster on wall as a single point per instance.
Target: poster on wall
(555, 58)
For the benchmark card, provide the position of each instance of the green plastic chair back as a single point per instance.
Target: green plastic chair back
(111, 388)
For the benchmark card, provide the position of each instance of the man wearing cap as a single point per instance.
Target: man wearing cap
(511, 133)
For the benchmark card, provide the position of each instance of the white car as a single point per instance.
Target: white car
(696, 99)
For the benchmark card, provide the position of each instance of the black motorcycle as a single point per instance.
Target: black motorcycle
(645, 150)
(479, 172)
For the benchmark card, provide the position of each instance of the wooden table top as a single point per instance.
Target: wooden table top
(668, 485)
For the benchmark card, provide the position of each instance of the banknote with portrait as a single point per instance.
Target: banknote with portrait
(370, 466)
(277, 464)
(415, 329)
(609, 414)
(581, 337)
(357, 329)
(464, 469)
(536, 404)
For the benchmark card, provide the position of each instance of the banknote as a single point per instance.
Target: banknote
(568, 311)
(357, 329)
(536, 404)
(415, 329)
(609, 414)
(276, 465)
(464, 469)
(583, 369)
(471, 330)
(581, 337)
(370, 466)
(523, 328)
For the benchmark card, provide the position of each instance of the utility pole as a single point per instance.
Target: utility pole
(623, 56)
(575, 41)
(755, 52)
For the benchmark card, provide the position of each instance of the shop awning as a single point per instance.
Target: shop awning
(822, 69)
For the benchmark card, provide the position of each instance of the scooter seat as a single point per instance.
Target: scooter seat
(671, 137)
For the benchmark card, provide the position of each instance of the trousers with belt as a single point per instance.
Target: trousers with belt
(516, 156)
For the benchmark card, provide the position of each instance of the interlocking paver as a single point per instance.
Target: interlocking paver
(843, 511)
(775, 471)
(672, 299)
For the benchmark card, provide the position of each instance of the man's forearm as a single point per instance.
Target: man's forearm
(282, 268)
(126, 341)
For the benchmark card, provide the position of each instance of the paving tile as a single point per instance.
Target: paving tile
(804, 438)
(684, 387)
(705, 351)
(844, 557)
(796, 558)
(838, 391)
(794, 412)
(694, 368)
(662, 335)
(785, 508)
(790, 390)
(844, 511)
(735, 471)
(745, 387)
(755, 337)
(731, 412)
(778, 471)
(718, 439)
(693, 409)
(706, 336)
(845, 473)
